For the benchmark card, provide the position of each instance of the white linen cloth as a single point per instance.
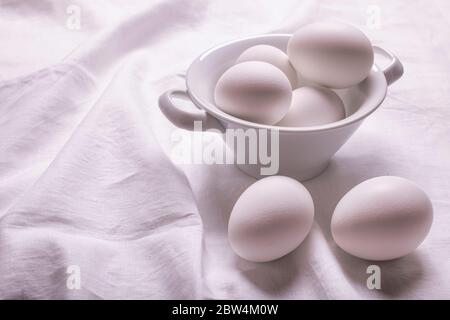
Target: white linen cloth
(86, 177)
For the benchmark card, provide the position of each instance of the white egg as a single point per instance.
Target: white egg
(331, 54)
(270, 219)
(272, 55)
(254, 91)
(382, 218)
(313, 106)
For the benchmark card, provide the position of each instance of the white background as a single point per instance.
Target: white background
(85, 173)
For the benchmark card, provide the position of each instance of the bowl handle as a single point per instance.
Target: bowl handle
(394, 70)
(186, 119)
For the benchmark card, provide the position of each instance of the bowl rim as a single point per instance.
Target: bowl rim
(376, 76)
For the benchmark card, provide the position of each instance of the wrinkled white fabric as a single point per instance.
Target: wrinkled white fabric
(87, 178)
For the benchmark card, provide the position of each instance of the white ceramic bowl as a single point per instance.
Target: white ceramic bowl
(304, 152)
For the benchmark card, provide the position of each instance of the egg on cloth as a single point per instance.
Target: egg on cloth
(271, 218)
(312, 106)
(382, 218)
(331, 54)
(254, 91)
(272, 55)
